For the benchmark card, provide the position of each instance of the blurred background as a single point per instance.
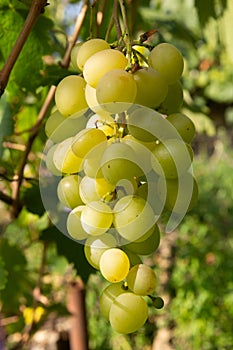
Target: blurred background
(194, 263)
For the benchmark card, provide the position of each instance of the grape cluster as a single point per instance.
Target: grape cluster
(123, 153)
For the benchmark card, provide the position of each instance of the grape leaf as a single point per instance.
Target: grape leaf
(72, 250)
(6, 122)
(18, 282)
(26, 74)
(31, 198)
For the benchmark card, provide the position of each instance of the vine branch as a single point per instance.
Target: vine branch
(36, 9)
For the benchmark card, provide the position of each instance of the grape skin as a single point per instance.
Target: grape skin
(128, 313)
(114, 265)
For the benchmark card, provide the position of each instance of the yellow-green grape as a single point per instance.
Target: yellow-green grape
(117, 85)
(73, 224)
(89, 48)
(91, 166)
(149, 145)
(143, 153)
(181, 194)
(133, 217)
(95, 189)
(102, 62)
(52, 123)
(108, 295)
(49, 162)
(64, 158)
(96, 246)
(128, 313)
(59, 128)
(70, 95)
(172, 158)
(90, 94)
(68, 191)
(125, 187)
(144, 124)
(88, 141)
(119, 161)
(114, 265)
(174, 99)
(96, 218)
(152, 87)
(183, 125)
(141, 279)
(73, 56)
(168, 60)
(147, 246)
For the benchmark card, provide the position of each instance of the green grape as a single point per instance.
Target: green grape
(149, 145)
(49, 161)
(70, 95)
(95, 189)
(133, 217)
(91, 166)
(143, 153)
(117, 85)
(64, 158)
(174, 99)
(144, 124)
(59, 128)
(152, 88)
(53, 121)
(147, 246)
(68, 191)
(181, 194)
(88, 49)
(125, 187)
(73, 56)
(128, 313)
(96, 218)
(149, 191)
(134, 259)
(85, 142)
(172, 158)
(183, 125)
(168, 60)
(102, 62)
(108, 295)
(96, 246)
(90, 95)
(74, 226)
(114, 265)
(141, 279)
(119, 161)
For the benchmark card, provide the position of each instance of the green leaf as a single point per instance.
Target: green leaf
(32, 199)
(18, 282)
(3, 274)
(72, 250)
(205, 10)
(26, 74)
(6, 121)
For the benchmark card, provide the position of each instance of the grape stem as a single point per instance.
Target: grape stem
(126, 31)
(35, 11)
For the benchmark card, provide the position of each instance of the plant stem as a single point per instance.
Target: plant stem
(126, 29)
(36, 9)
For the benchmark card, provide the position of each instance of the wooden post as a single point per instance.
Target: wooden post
(76, 306)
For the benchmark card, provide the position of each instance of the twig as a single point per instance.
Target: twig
(45, 108)
(36, 9)
(5, 198)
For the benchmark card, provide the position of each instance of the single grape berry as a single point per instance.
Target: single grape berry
(158, 302)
